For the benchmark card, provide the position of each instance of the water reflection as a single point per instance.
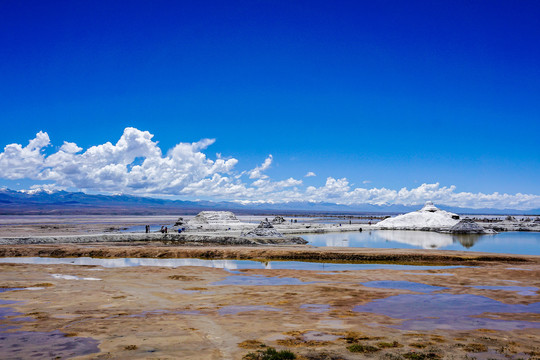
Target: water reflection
(259, 280)
(509, 242)
(222, 264)
(34, 344)
(448, 311)
(423, 239)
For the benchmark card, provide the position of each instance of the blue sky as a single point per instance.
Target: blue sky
(387, 94)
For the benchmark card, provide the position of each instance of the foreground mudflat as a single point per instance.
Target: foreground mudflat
(485, 311)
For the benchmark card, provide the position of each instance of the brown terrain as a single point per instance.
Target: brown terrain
(158, 312)
(168, 313)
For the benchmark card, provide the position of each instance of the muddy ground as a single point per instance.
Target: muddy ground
(272, 252)
(170, 313)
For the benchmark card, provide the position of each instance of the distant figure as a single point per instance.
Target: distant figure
(166, 230)
(147, 228)
(350, 222)
(369, 222)
(162, 230)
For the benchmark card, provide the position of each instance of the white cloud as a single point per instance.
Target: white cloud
(17, 162)
(257, 172)
(136, 165)
(310, 174)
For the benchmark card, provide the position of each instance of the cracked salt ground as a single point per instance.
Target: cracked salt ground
(403, 285)
(448, 311)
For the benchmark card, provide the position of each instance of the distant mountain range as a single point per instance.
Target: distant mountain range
(78, 203)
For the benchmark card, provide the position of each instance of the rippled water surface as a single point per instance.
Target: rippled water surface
(526, 243)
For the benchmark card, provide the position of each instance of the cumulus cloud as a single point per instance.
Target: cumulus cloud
(257, 172)
(310, 174)
(135, 164)
(18, 162)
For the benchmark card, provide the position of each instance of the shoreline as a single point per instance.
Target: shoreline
(267, 253)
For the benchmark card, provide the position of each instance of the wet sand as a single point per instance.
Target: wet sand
(194, 312)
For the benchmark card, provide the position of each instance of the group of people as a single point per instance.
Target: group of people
(163, 230)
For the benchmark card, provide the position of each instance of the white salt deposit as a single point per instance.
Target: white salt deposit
(427, 218)
(214, 218)
(73, 277)
(265, 229)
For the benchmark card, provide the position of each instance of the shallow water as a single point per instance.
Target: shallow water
(45, 345)
(448, 311)
(259, 280)
(526, 243)
(34, 344)
(221, 264)
(403, 285)
(315, 308)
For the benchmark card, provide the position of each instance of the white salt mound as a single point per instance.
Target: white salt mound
(428, 218)
(214, 218)
(467, 226)
(265, 229)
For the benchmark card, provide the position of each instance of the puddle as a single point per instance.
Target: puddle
(221, 264)
(319, 336)
(182, 291)
(315, 308)
(521, 290)
(403, 285)
(448, 311)
(434, 274)
(42, 345)
(7, 311)
(45, 345)
(72, 277)
(235, 309)
(9, 289)
(259, 280)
